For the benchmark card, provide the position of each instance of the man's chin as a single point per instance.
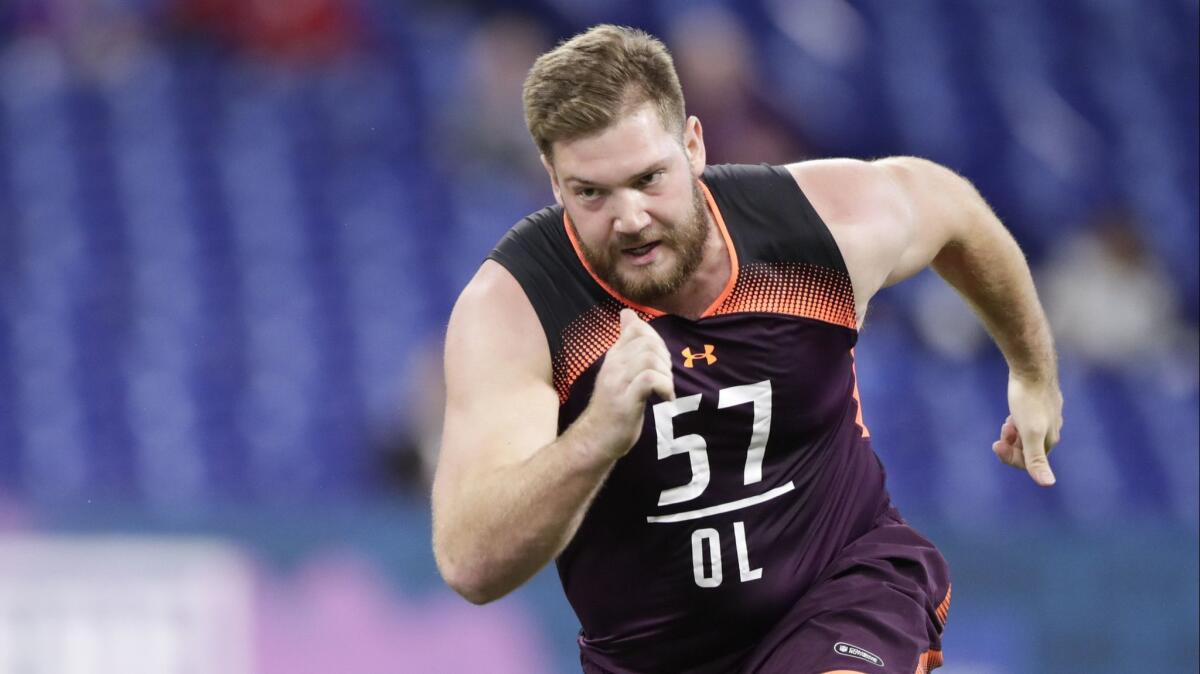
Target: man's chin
(643, 288)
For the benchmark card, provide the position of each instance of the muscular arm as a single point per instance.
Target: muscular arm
(894, 217)
(508, 495)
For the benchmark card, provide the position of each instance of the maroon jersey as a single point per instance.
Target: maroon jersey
(741, 491)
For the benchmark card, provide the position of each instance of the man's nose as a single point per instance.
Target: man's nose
(631, 216)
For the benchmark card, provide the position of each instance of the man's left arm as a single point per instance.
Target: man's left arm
(892, 218)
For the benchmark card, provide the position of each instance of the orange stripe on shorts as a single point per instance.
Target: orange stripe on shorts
(930, 660)
(943, 609)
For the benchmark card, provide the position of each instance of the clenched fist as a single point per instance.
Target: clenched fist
(637, 365)
(1033, 428)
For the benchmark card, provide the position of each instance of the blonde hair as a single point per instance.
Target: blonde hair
(587, 83)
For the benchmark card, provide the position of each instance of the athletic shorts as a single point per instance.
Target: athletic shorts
(879, 607)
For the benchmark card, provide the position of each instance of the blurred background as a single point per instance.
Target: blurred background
(231, 232)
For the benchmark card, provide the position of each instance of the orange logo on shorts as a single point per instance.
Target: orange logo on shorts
(689, 358)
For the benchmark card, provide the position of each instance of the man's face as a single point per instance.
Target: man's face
(632, 196)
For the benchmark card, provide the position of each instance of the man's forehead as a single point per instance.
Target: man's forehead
(614, 174)
(635, 144)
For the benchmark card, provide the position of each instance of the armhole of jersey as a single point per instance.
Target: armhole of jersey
(817, 224)
(580, 322)
(548, 340)
(538, 253)
(782, 242)
(536, 293)
(770, 197)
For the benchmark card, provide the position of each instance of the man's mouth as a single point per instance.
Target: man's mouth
(641, 250)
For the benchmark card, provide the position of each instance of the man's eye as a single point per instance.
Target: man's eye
(650, 178)
(587, 193)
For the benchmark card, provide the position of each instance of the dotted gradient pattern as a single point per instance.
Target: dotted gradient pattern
(795, 289)
(929, 661)
(584, 341)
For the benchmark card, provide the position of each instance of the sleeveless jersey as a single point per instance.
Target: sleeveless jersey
(739, 492)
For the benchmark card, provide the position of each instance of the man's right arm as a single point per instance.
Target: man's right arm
(508, 495)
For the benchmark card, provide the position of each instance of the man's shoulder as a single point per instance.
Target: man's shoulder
(749, 184)
(538, 253)
(544, 218)
(742, 172)
(540, 235)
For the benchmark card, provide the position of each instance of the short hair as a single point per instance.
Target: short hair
(586, 83)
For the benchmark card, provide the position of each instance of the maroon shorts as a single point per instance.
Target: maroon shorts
(879, 607)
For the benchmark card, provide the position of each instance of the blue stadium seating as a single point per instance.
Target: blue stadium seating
(214, 270)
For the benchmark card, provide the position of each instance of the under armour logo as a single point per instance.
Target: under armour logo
(708, 356)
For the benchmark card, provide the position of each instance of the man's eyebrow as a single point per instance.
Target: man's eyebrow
(651, 168)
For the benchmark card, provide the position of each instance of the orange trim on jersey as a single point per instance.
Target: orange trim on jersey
(733, 261)
(733, 256)
(858, 416)
(929, 661)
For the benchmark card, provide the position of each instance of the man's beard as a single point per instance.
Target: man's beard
(686, 239)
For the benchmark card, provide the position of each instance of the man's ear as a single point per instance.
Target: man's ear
(553, 179)
(693, 145)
